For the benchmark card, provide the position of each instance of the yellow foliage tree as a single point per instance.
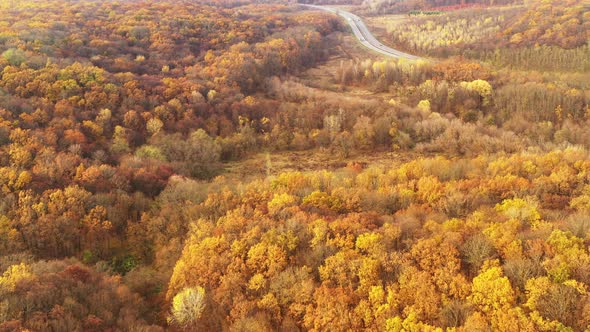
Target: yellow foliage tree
(491, 291)
(188, 306)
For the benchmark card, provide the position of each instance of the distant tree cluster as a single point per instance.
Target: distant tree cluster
(473, 93)
(403, 6)
(561, 23)
(543, 35)
(332, 2)
(540, 58)
(452, 32)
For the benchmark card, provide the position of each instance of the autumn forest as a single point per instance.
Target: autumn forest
(236, 165)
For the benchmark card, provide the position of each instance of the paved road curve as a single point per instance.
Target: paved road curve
(363, 35)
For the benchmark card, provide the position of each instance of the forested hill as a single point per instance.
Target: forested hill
(173, 165)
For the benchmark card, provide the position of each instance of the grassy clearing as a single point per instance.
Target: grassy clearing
(313, 160)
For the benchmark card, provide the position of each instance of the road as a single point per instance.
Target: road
(363, 34)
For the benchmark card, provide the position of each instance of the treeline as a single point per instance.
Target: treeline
(542, 58)
(332, 2)
(376, 7)
(369, 126)
(471, 92)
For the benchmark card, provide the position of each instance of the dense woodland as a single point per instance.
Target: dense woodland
(118, 211)
(546, 35)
